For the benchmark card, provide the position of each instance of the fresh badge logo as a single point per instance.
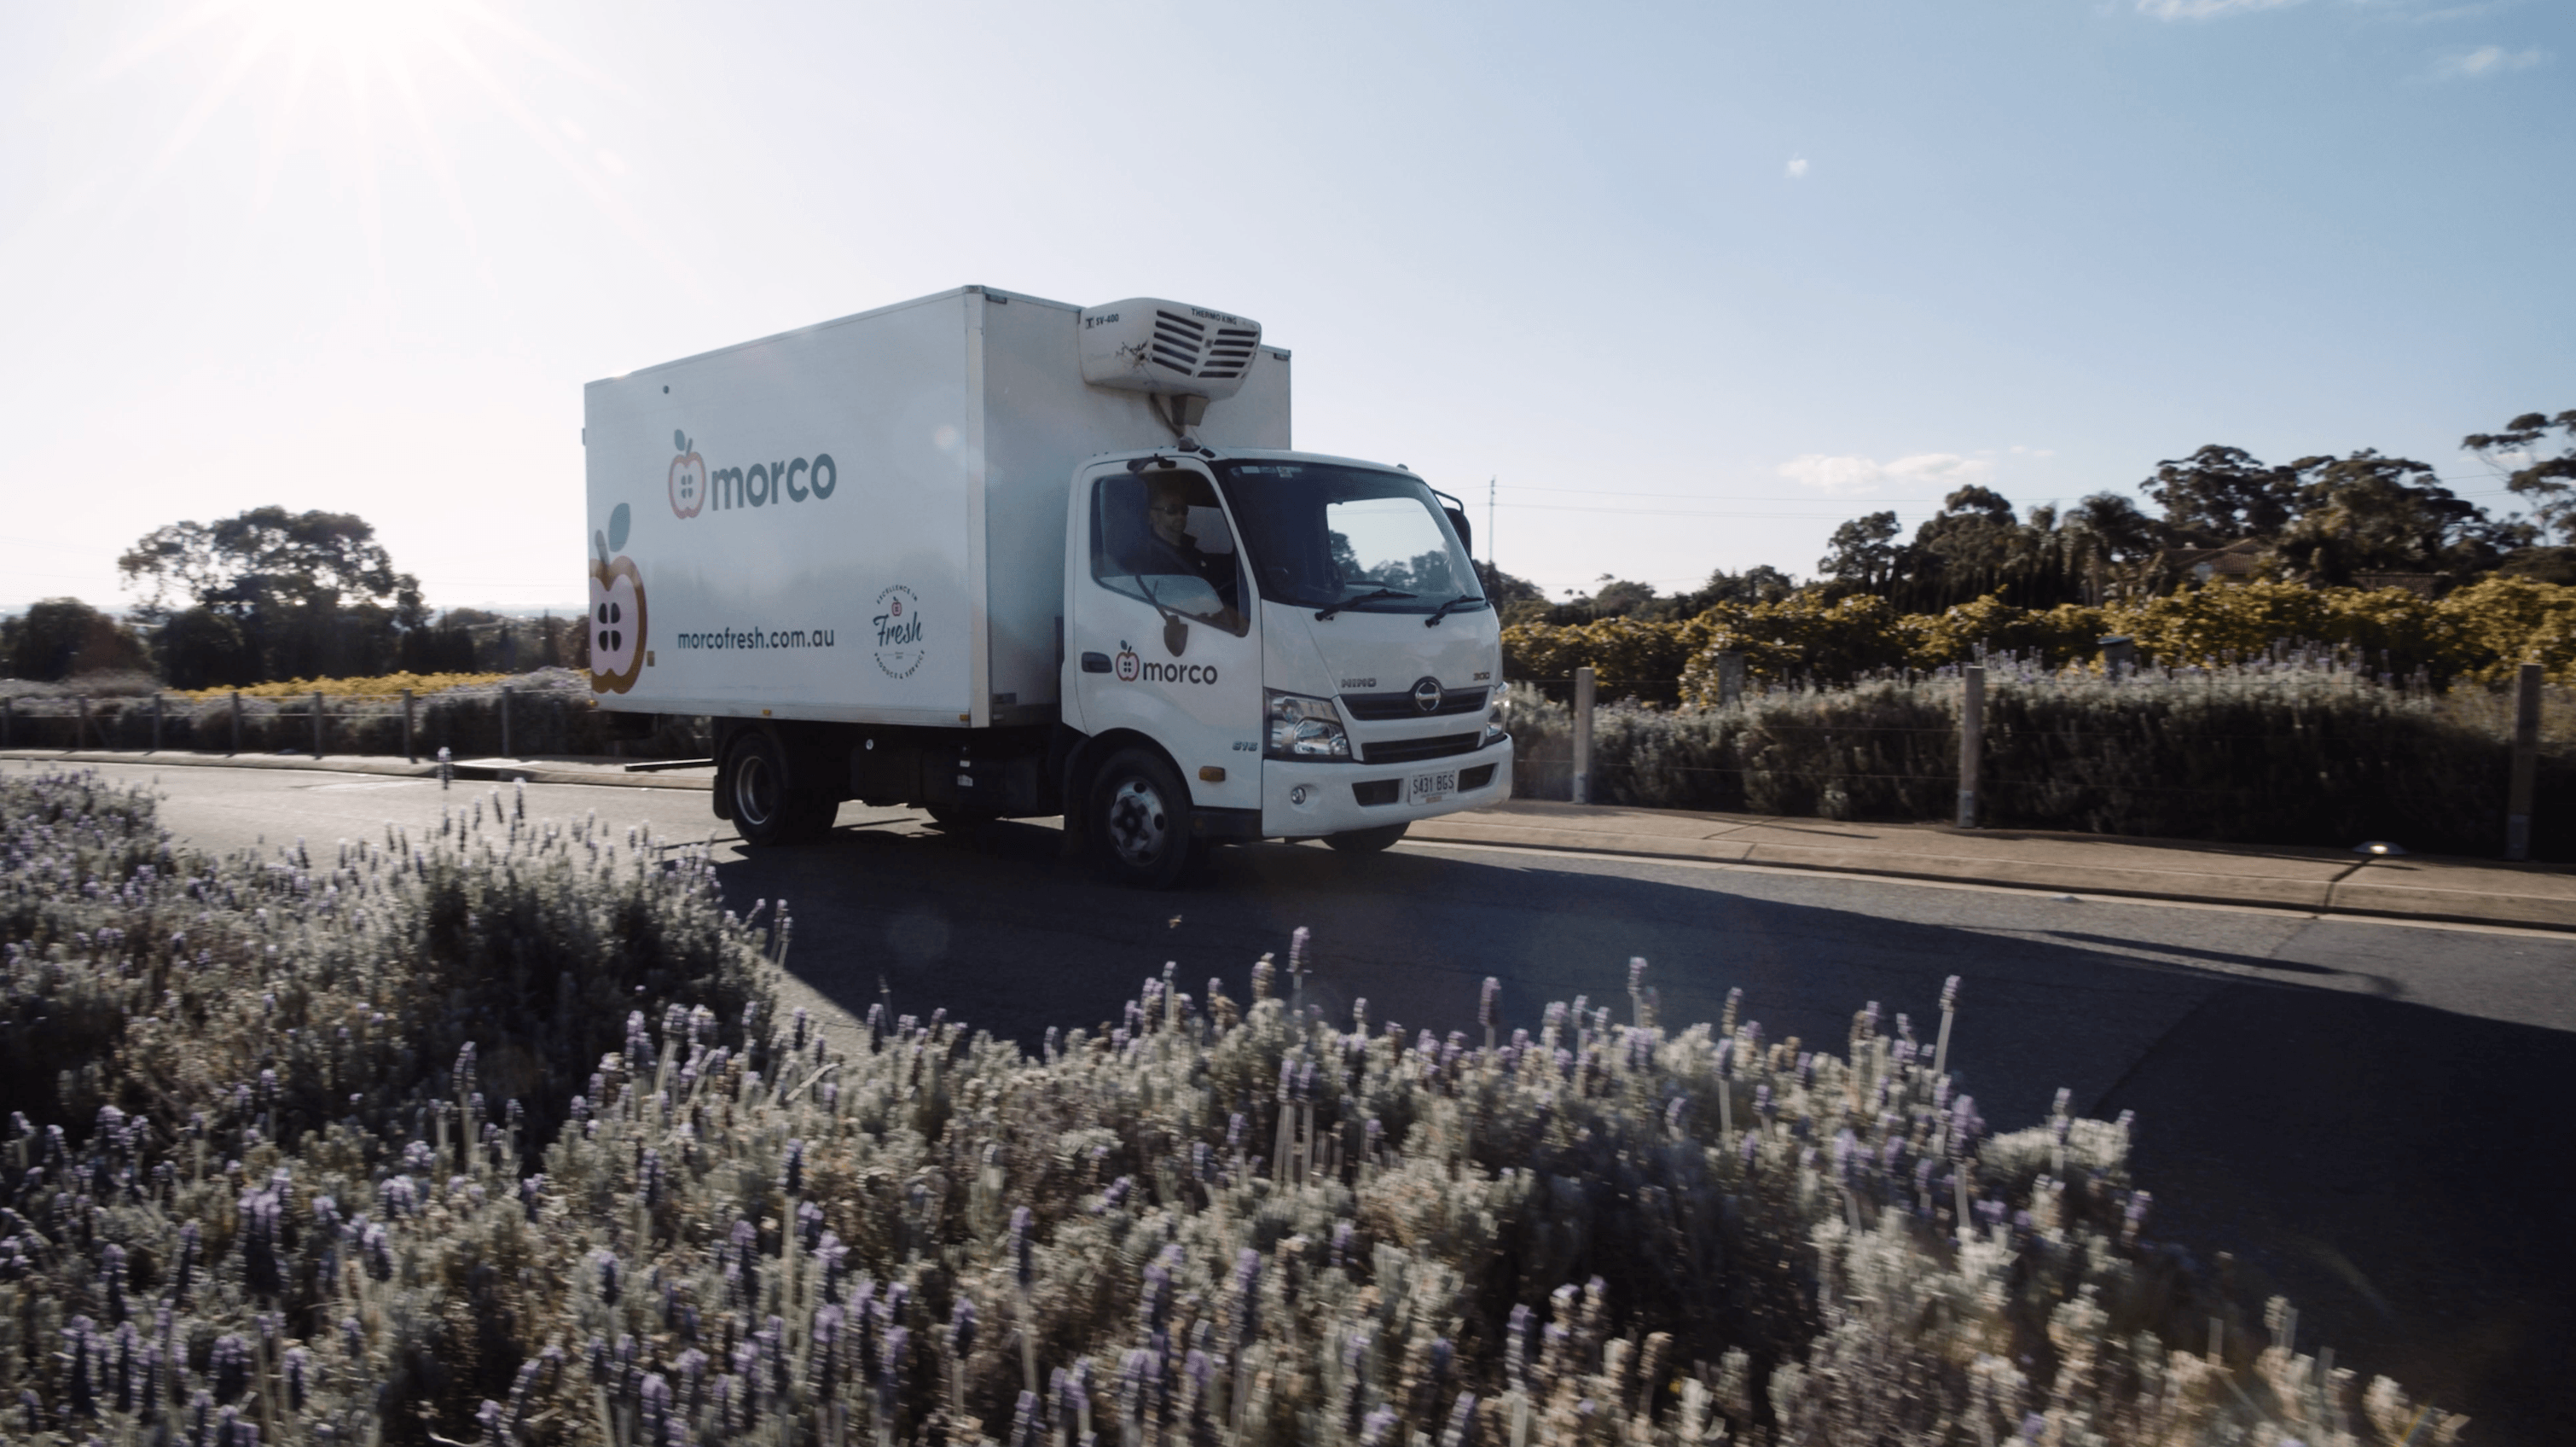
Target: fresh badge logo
(694, 485)
(899, 632)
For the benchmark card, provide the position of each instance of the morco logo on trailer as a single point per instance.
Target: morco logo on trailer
(693, 485)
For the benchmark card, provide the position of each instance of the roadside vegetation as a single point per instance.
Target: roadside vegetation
(2301, 748)
(496, 1135)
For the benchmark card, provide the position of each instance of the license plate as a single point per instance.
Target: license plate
(1431, 788)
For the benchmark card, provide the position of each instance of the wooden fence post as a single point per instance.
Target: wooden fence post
(236, 721)
(505, 722)
(1730, 679)
(1972, 739)
(1583, 683)
(8, 723)
(2526, 762)
(317, 723)
(80, 726)
(156, 723)
(411, 755)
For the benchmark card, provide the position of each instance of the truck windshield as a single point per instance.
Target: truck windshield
(1321, 535)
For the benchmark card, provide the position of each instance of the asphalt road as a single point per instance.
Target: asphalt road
(2373, 1118)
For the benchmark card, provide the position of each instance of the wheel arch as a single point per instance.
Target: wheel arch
(1082, 766)
(815, 756)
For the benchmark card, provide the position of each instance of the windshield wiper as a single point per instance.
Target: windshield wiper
(1461, 601)
(1329, 609)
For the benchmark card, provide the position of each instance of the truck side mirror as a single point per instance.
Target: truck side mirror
(1466, 534)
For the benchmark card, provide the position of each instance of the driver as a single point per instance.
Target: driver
(1168, 547)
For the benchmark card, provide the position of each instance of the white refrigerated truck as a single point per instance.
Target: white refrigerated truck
(1000, 557)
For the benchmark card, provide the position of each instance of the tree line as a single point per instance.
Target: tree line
(269, 595)
(2322, 521)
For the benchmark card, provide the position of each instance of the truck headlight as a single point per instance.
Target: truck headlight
(1303, 727)
(1498, 720)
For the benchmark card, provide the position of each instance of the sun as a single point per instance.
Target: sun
(387, 84)
(354, 31)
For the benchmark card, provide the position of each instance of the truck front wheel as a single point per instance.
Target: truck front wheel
(767, 808)
(1140, 820)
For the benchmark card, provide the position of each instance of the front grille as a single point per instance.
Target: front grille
(1405, 751)
(1381, 707)
(1377, 791)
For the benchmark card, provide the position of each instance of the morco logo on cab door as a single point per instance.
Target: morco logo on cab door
(1132, 669)
(762, 484)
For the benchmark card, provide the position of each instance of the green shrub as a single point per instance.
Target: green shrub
(2302, 751)
(1217, 1223)
(551, 712)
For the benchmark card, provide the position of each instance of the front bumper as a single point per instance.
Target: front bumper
(1332, 792)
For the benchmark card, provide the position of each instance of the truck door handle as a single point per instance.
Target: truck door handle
(1095, 663)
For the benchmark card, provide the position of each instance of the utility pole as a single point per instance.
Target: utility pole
(1489, 529)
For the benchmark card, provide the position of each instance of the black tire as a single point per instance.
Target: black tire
(1367, 841)
(1140, 821)
(768, 808)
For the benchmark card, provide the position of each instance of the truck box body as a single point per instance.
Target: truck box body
(861, 521)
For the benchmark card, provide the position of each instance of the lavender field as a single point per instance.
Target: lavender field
(495, 1136)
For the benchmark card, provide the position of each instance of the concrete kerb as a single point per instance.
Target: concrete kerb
(2313, 881)
(2308, 881)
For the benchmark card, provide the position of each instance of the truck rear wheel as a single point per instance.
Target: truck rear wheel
(1366, 841)
(1140, 820)
(767, 807)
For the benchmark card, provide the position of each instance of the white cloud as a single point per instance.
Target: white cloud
(2204, 9)
(1797, 167)
(2486, 60)
(1863, 475)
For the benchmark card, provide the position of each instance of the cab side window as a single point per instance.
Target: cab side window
(1161, 538)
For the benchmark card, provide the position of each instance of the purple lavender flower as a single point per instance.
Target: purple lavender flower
(1462, 1422)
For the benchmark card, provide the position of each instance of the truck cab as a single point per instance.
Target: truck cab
(1266, 644)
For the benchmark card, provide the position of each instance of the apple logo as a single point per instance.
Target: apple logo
(616, 610)
(688, 478)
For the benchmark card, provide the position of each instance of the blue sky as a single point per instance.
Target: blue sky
(1693, 283)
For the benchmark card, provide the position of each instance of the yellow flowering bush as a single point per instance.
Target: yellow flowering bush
(388, 685)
